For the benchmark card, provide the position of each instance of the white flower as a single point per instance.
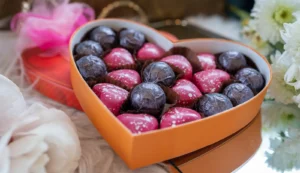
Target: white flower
(277, 117)
(291, 38)
(278, 89)
(49, 143)
(297, 99)
(40, 140)
(285, 154)
(12, 103)
(270, 16)
(253, 39)
(292, 76)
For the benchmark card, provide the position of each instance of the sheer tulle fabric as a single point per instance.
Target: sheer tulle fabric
(49, 25)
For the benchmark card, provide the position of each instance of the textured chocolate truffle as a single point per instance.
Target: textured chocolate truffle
(238, 93)
(91, 67)
(131, 39)
(211, 104)
(88, 48)
(105, 36)
(159, 73)
(251, 78)
(232, 61)
(148, 98)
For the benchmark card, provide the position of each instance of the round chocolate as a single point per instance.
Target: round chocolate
(131, 39)
(160, 73)
(211, 104)
(148, 98)
(251, 78)
(238, 93)
(105, 36)
(88, 47)
(232, 61)
(91, 67)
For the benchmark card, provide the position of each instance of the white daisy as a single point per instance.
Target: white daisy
(292, 76)
(253, 39)
(297, 99)
(271, 15)
(277, 117)
(278, 89)
(291, 38)
(285, 154)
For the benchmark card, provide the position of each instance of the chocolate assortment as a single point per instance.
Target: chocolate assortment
(148, 88)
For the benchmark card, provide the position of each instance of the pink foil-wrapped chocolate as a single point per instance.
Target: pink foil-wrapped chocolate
(207, 61)
(178, 115)
(129, 78)
(188, 93)
(150, 51)
(111, 96)
(138, 123)
(118, 58)
(182, 63)
(210, 81)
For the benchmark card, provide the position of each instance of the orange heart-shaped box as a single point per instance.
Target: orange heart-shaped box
(163, 144)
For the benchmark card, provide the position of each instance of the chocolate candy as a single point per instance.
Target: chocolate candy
(88, 47)
(105, 36)
(131, 39)
(232, 61)
(238, 93)
(188, 93)
(178, 115)
(138, 123)
(160, 73)
(182, 63)
(211, 81)
(148, 98)
(118, 58)
(128, 78)
(150, 51)
(91, 68)
(111, 96)
(251, 78)
(211, 104)
(207, 61)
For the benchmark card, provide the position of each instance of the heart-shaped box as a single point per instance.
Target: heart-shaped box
(163, 144)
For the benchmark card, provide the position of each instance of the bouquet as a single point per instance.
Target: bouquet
(273, 28)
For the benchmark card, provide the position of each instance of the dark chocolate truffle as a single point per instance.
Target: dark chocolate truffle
(91, 67)
(148, 98)
(159, 73)
(131, 39)
(211, 104)
(251, 78)
(238, 93)
(88, 47)
(105, 36)
(232, 61)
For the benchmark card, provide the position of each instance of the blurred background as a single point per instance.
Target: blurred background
(160, 14)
